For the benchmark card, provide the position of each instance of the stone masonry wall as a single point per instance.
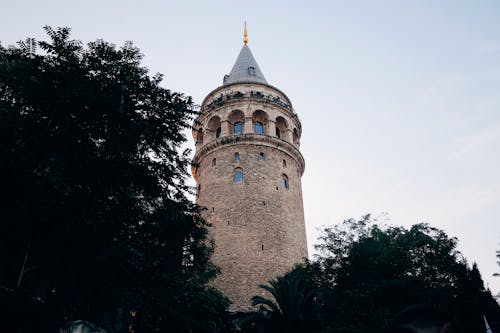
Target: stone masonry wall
(257, 224)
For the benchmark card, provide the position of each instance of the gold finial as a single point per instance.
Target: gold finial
(245, 35)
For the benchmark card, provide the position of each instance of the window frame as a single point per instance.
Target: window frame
(284, 182)
(238, 125)
(259, 125)
(241, 176)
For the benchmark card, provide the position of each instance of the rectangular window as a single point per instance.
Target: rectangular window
(238, 128)
(259, 129)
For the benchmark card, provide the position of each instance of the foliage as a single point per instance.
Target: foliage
(294, 305)
(365, 274)
(368, 273)
(95, 220)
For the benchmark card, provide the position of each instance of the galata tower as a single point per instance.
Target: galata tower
(248, 167)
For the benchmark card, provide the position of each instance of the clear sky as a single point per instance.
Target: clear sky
(399, 100)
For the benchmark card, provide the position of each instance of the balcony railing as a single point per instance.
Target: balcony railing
(252, 94)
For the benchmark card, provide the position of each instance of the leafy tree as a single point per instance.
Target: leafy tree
(368, 273)
(96, 224)
(294, 307)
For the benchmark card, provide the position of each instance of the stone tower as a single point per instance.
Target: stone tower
(248, 168)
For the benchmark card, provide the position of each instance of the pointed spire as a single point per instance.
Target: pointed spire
(245, 34)
(245, 68)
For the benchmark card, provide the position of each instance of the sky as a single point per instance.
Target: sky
(399, 100)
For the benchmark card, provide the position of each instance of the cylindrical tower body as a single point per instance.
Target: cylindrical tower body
(248, 170)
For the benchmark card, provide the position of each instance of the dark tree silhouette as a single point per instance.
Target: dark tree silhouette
(368, 273)
(293, 305)
(365, 274)
(95, 223)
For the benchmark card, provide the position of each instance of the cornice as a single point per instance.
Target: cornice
(223, 87)
(252, 139)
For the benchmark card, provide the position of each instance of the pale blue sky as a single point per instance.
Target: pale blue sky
(399, 100)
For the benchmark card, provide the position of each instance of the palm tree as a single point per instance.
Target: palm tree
(294, 306)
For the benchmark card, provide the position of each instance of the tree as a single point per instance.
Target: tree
(368, 273)
(295, 307)
(96, 224)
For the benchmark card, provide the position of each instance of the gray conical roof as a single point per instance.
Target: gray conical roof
(245, 69)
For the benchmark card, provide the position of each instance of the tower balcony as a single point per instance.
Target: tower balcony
(249, 139)
(238, 95)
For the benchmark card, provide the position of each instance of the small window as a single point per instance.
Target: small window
(199, 190)
(238, 176)
(284, 164)
(251, 71)
(295, 136)
(284, 181)
(259, 128)
(238, 128)
(214, 162)
(236, 156)
(217, 132)
(262, 157)
(199, 136)
(278, 133)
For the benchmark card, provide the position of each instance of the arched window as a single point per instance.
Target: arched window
(259, 128)
(238, 176)
(236, 118)
(260, 119)
(236, 156)
(199, 136)
(284, 181)
(262, 157)
(295, 136)
(214, 127)
(214, 162)
(238, 128)
(284, 164)
(281, 128)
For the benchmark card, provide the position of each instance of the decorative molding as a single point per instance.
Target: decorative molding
(255, 139)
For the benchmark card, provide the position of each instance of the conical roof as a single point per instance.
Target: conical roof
(245, 69)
